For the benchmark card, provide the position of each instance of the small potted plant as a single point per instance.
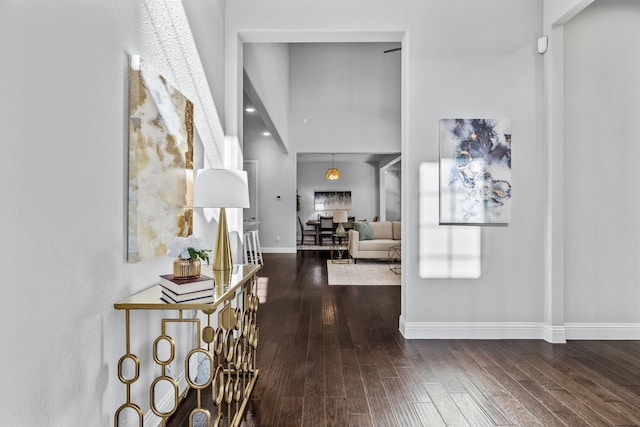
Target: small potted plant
(187, 251)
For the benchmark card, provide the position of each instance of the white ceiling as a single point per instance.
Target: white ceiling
(253, 123)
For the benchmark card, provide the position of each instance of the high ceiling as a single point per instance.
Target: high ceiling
(254, 127)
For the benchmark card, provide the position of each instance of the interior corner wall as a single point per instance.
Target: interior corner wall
(602, 107)
(64, 174)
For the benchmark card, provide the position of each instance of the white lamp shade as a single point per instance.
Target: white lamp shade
(340, 216)
(221, 188)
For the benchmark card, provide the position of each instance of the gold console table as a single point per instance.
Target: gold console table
(230, 344)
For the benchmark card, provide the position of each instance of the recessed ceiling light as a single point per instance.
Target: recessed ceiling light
(266, 133)
(250, 110)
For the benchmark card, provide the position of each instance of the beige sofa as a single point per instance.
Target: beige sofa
(385, 235)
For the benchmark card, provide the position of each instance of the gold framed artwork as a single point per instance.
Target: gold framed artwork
(160, 163)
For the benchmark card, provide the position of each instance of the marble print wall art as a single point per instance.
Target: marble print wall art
(475, 171)
(160, 163)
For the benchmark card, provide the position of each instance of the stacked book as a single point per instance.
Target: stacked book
(182, 290)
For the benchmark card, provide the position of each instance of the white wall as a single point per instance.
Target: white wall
(454, 65)
(555, 14)
(206, 21)
(345, 97)
(64, 111)
(277, 217)
(392, 195)
(602, 108)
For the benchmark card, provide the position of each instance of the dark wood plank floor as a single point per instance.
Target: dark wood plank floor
(333, 356)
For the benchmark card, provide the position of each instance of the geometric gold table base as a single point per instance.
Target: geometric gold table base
(229, 347)
(339, 250)
(394, 256)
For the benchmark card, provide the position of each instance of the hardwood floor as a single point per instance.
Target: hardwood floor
(333, 356)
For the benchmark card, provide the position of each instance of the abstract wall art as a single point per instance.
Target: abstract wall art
(160, 163)
(475, 171)
(332, 200)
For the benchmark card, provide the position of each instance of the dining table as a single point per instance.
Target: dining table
(315, 223)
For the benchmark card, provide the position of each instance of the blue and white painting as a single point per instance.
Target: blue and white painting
(475, 171)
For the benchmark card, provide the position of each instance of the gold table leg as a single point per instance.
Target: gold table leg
(231, 349)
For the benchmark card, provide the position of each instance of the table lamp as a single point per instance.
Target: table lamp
(340, 217)
(221, 188)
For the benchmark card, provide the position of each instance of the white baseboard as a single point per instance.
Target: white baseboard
(466, 330)
(603, 331)
(279, 250)
(519, 330)
(554, 334)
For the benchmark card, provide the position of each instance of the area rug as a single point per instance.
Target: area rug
(263, 284)
(363, 273)
(313, 247)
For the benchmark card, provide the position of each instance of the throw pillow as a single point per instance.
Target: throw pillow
(382, 230)
(364, 229)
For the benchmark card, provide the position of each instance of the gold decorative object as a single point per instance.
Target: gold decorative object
(332, 173)
(221, 188)
(228, 340)
(222, 260)
(186, 268)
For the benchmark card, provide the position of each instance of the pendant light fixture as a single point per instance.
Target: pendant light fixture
(332, 173)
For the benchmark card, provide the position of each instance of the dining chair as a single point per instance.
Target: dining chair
(306, 233)
(349, 223)
(326, 228)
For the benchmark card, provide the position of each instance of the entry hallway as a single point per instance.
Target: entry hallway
(333, 356)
